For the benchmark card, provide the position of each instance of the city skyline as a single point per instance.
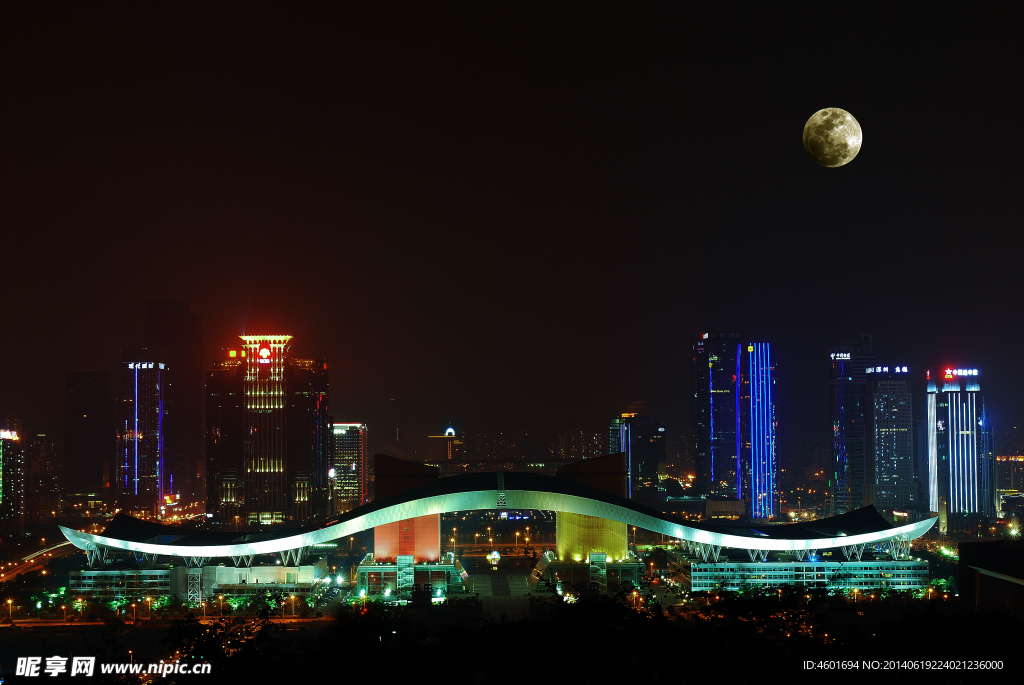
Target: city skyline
(465, 223)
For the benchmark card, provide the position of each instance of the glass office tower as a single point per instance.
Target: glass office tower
(889, 442)
(961, 461)
(141, 478)
(760, 469)
(268, 453)
(348, 449)
(717, 413)
(847, 407)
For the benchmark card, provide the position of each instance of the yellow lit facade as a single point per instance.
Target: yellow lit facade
(578, 535)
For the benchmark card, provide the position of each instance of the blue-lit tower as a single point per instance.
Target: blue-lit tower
(140, 434)
(760, 469)
(961, 461)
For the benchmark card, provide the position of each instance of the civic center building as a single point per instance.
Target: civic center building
(592, 516)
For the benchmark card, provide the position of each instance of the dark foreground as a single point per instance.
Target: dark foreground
(600, 636)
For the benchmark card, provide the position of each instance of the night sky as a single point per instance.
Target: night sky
(510, 218)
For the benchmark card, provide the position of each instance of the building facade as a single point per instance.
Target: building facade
(847, 407)
(760, 471)
(142, 481)
(643, 442)
(734, 423)
(717, 413)
(12, 482)
(961, 460)
(349, 452)
(267, 453)
(43, 479)
(174, 334)
(225, 437)
(891, 480)
(803, 575)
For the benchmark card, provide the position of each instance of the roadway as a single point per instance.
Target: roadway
(36, 561)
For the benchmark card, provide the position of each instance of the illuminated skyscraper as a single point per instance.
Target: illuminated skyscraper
(12, 481)
(961, 461)
(889, 439)
(278, 470)
(760, 470)
(716, 417)
(349, 448)
(140, 475)
(847, 407)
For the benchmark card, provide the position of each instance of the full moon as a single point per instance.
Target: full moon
(832, 137)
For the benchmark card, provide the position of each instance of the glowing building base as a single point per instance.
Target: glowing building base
(579, 535)
(418, 537)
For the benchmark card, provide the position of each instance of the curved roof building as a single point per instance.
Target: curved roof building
(484, 491)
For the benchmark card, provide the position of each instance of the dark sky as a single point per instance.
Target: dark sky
(510, 218)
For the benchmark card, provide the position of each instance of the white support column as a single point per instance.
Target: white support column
(195, 587)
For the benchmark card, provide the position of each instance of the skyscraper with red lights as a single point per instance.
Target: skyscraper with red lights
(268, 457)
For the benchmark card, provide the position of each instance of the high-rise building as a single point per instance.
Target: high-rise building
(848, 421)
(760, 470)
(643, 442)
(141, 476)
(43, 469)
(226, 436)
(174, 334)
(90, 438)
(349, 451)
(717, 413)
(12, 481)
(445, 447)
(961, 461)
(734, 423)
(891, 481)
(277, 469)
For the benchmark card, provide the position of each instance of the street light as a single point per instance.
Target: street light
(221, 604)
(293, 606)
(134, 614)
(149, 606)
(10, 609)
(65, 608)
(204, 610)
(517, 539)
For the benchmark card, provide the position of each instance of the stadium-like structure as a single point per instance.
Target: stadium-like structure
(515, 491)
